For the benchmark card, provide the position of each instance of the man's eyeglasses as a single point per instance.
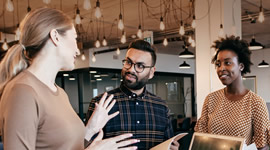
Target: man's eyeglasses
(139, 67)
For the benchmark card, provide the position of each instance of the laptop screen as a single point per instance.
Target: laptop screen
(205, 141)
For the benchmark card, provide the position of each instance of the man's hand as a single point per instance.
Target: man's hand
(174, 145)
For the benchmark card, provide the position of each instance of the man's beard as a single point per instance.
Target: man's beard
(138, 84)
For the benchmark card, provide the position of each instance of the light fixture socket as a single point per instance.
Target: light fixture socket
(221, 26)
(120, 16)
(261, 8)
(97, 3)
(28, 9)
(78, 11)
(161, 19)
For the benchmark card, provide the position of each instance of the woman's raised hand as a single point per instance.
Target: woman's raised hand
(101, 115)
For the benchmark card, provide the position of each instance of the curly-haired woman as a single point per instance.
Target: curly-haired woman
(234, 110)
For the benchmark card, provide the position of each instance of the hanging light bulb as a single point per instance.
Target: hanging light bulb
(5, 45)
(78, 17)
(221, 31)
(83, 56)
(261, 15)
(193, 43)
(118, 51)
(97, 11)
(17, 33)
(9, 5)
(190, 39)
(120, 22)
(182, 29)
(193, 24)
(165, 42)
(161, 25)
(86, 4)
(97, 44)
(104, 42)
(123, 38)
(139, 33)
(94, 58)
(46, 1)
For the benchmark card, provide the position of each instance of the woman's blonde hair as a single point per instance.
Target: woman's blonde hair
(35, 31)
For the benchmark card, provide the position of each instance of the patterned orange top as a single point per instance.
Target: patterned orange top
(247, 118)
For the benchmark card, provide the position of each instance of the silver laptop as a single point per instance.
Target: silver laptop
(205, 141)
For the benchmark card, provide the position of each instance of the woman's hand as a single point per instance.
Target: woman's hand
(114, 143)
(100, 115)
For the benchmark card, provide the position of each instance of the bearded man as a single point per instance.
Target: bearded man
(140, 112)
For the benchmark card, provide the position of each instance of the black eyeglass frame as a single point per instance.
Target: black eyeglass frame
(134, 64)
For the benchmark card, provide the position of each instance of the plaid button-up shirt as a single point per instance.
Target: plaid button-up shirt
(145, 116)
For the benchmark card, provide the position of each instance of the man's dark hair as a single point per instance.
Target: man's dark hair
(238, 46)
(144, 46)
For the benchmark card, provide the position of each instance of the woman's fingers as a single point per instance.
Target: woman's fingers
(122, 137)
(129, 148)
(113, 115)
(101, 102)
(111, 105)
(108, 100)
(127, 142)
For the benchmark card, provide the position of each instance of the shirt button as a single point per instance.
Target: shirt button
(137, 103)
(134, 95)
(138, 122)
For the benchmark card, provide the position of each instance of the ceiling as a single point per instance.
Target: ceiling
(150, 13)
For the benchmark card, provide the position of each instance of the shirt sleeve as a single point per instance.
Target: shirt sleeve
(20, 118)
(261, 124)
(202, 123)
(169, 129)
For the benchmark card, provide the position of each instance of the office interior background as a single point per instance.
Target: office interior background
(181, 30)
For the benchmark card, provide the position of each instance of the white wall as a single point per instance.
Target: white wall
(262, 74)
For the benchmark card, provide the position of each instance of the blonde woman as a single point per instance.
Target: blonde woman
(34, 112)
